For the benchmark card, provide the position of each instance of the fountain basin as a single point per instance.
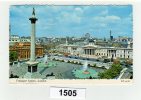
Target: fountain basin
(49, 64)
(85, 74)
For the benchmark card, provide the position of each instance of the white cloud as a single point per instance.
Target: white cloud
(112, 17)
(79, 10)
(107, 19)
(103, 25)
(104, 12)
(55, 19)
(67, 17)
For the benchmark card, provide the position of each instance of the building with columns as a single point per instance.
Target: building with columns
(22, 50)
(109, 52)
(95, 51)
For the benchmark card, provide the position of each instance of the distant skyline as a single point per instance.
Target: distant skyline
(62, 21)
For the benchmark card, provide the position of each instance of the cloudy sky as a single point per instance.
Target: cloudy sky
(62, 21)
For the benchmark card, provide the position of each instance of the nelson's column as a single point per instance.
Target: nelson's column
(32, 63)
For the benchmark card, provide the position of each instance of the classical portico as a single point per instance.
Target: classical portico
(89, 51)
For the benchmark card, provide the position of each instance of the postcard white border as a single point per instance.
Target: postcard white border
(40, 91)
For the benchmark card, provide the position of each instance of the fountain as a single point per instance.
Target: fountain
(45, 59)
(85, 66)
(18, 65)
(13, 64)
(84, 72)
(46, 62)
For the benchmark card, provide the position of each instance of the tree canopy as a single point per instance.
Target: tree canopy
(13, 56)
(111, 73)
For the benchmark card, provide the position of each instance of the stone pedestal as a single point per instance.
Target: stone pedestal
(32, 66)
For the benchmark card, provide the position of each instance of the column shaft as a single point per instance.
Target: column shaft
(32, 50)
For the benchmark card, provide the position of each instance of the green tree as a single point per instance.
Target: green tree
(13, 56)
(111, 73)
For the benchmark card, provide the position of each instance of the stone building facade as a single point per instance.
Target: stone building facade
(95, 51)
(23, 50)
